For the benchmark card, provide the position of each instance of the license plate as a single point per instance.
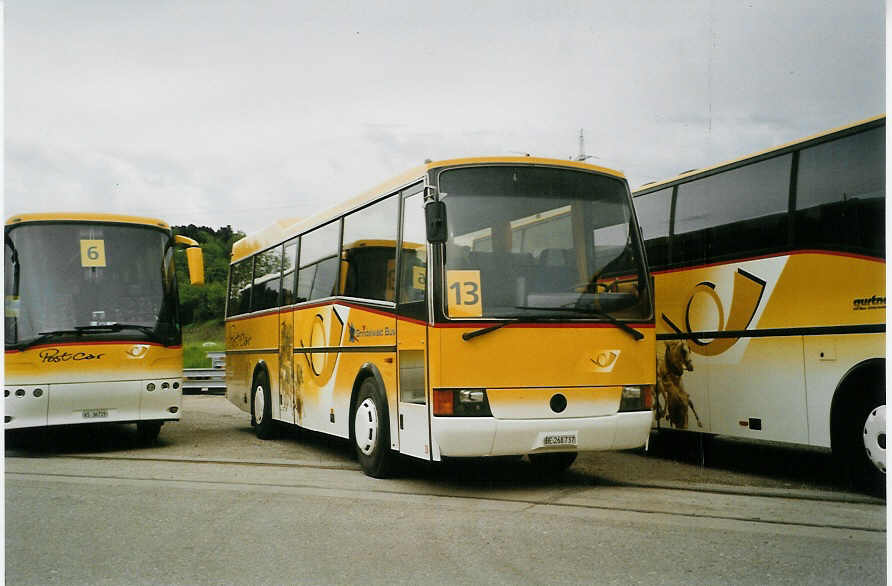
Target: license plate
(95, 413)
(559, 438)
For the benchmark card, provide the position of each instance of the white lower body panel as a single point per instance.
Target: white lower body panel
(487, 436)
(96, 402)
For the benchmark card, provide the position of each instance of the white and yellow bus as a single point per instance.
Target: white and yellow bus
(770, 270)
(377, 320)
(92, 330)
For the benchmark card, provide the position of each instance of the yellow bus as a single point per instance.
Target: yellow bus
(770, 296)
(92, 330)
(376, 320)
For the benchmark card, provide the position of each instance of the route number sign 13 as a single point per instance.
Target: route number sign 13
(463, 293)
(92, 253)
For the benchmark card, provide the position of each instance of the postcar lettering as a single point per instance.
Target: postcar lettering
(55, 356)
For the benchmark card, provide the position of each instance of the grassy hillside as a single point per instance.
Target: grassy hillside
(200, 338)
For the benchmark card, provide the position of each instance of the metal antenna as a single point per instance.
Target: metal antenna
(582, 156)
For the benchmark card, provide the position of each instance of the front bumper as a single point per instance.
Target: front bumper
(488, 436)
(96, 402)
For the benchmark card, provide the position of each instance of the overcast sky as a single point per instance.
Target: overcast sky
(238, 113)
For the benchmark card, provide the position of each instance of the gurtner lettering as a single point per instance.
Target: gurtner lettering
(54, 355)
(874, 302)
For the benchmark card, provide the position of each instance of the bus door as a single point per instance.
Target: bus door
(288, 388)
(412, 359)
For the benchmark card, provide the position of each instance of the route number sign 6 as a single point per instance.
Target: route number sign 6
(92, 253)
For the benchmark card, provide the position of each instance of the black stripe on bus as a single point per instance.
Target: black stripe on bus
(778, 332)
(339, 349)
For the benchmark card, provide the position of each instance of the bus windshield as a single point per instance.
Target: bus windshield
(541, 242)
(89, 281)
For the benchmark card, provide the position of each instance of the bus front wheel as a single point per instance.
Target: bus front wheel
(371, 434)
(261, 408)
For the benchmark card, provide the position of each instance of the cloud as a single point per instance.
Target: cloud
(233, 113)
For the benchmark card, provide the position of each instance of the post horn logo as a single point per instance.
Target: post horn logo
(705, 307)
(138, 350)
(323, 331)
(605, 360)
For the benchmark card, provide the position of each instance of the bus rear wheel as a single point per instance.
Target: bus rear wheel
(261, 408)
(860, 443)
(371, 433)
(554, 463)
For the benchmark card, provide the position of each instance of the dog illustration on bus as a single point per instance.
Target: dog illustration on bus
(673, 401)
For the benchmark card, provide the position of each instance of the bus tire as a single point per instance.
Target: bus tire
(861, 429)
(148, 431)
(262, 408)
(553, 463)
(370, 430)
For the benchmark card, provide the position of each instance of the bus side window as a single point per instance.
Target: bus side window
(653, 214)
(289, 262)
(369, 251)
(267, 280)
(412, 300)
(319, 265)
(840, 194)
(240, 287)
(738, 212)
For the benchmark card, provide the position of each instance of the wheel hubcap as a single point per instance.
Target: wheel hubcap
(259, 404)
(365, 426)
(875, 437)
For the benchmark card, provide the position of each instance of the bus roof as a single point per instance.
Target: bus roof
(86, 217)
(285, 229)
(694, 172)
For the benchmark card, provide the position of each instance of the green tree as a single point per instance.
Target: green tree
(205, 302)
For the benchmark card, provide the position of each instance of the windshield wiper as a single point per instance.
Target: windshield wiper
(468, 335)
(592, 311)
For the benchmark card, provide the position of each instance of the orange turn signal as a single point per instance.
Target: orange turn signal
(443, 402)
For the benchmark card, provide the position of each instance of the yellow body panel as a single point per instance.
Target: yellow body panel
(781, 371)
(69, 363)
(310, 388)
(543, 356)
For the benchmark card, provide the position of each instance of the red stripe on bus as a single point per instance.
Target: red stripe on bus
(521, 324)
(292, 309)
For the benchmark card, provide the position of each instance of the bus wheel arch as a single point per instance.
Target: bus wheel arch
(261, 402)
(370, 421)
(857, 424)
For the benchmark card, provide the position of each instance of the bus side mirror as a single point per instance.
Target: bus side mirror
(194, 259)
(435, 218)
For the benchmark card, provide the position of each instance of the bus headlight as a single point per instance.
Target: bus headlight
(637, 398)
(461, 403)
